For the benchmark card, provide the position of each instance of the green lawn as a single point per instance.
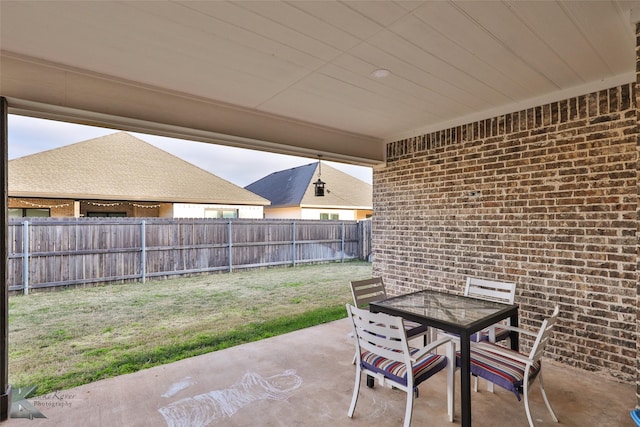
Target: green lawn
(63, 339)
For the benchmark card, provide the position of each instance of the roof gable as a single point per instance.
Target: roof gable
(286, 187)
(120, 167)
(295, 187)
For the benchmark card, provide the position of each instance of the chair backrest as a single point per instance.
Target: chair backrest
(380, 334)
(504, 292)
(368, 290)
(543, 336)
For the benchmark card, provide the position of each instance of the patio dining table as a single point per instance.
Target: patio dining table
(457, 314)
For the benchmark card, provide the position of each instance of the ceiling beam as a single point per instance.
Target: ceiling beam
(49, 90)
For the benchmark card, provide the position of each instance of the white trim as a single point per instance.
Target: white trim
(555, 96)
(67, 114)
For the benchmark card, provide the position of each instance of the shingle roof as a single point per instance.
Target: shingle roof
(120, 167)
(294, 187)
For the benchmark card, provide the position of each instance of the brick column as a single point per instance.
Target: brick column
(5, 389)
(637, 101)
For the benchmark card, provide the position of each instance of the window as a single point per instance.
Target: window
(333, 216)
(220, 213)
(29, 212)
(106, 214)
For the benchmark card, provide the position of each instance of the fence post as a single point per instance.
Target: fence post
(25, 258)
(230, 233)
(342, 244)
(143, 253)
(293, 243)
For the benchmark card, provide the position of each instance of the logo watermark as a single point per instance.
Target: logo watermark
(33, 408)
(20, 406)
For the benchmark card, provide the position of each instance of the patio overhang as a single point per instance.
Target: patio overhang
(300, 78)
(53, 91)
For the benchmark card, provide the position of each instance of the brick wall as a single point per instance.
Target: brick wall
(545, 197)
(637, 100)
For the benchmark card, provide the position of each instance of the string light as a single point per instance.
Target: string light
(110, 205)
(144, 206)
(38, 205)
(103, 205)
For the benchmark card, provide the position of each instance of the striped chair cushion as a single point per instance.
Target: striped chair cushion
(499, 369)
(397, 371)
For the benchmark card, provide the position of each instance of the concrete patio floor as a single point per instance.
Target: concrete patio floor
(305, 378)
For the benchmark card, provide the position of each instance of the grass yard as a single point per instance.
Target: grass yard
(63, 339)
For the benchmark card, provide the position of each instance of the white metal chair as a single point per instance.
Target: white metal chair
(491, 290)
(502, 292)
(383, 352)
(512, 370)
(369, 290)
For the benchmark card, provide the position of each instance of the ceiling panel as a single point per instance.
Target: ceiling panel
(409, 70)
(605, 25)
(311, 62)
(455, 79)
(266, 32)
(478, 41)
(459, 57)
(394, 90)
(342, 16)
(290, 16)
(355, 116)
(520, 39)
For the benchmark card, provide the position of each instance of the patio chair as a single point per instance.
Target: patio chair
(512, 370)
(503, 292)
(491, 290)
(368, 290)
(383, 352)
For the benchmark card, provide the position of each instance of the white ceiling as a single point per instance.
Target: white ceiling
(311, 61)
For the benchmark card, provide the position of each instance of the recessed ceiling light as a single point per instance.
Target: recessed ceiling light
(380, 73)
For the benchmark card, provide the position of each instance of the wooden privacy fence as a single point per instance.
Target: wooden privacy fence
(50, 252)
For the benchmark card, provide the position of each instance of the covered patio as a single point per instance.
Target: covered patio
(305, 378)
(503, 138)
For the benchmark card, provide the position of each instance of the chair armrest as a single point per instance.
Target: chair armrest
(506, 352)
(429, 348)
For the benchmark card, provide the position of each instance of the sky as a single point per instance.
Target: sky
(240, 166)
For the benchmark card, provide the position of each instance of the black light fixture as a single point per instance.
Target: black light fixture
(319, 184)
(319, 188)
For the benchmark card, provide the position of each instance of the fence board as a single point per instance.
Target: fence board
(79, 251)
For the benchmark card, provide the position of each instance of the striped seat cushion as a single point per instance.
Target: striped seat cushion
(397, 371)
(499, 369)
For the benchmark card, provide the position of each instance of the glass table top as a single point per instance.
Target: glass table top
(450, 308)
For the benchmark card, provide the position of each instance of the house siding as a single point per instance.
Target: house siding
(546, 198)
(283, 213)
(190, 210)
(57, 207)
(315, 213)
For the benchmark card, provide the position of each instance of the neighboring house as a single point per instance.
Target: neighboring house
(292, 194)
(120, 175)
